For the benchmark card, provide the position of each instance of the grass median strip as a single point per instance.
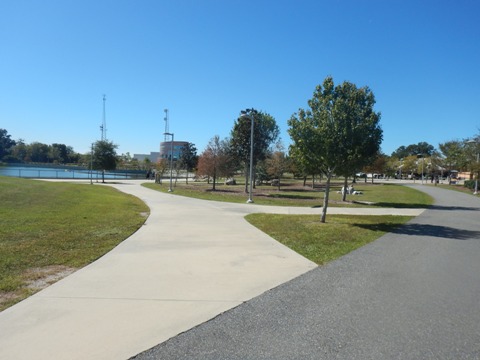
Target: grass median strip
(324, 242)
(295, 194)
(51, 228)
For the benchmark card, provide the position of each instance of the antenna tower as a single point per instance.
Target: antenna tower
(166, 125)
(103, 127)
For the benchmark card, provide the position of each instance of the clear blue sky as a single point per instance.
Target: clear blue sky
(205, 60)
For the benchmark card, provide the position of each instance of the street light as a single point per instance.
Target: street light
(249, 114)
(171, 160)
(476, 141)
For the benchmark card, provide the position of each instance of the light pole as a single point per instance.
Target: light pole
(401, 166)
(250, 114)
(476, 141)
(171, 161)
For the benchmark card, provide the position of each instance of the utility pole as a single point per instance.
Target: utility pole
(166, 125)
(103, 127)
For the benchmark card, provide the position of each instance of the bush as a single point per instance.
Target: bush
(469, 184)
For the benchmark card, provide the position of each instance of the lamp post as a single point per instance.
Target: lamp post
(401, 166)
(249, 114)
(171, 160)
(476, 141)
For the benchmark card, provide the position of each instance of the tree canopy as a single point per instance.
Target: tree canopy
(422, 148)
(6, 143)
(265, 133)
(454, 154)
(340, 132)
(104, 156)
(188, 157)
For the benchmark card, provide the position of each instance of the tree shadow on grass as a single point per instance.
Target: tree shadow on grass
(290, 196)
(223, 191)
(424, 230)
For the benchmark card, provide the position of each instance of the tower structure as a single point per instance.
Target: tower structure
(103, 127)
(166, 125)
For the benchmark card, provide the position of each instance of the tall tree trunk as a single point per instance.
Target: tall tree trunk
(345, 189)
(325, 199)
(305, 180)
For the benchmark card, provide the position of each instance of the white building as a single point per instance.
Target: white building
(153, 157)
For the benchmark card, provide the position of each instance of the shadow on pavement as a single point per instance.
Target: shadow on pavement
(400, 205)
(426, 230)
(464, 208)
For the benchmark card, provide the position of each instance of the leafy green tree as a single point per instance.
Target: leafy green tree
(362, 134)
(422, 148)
(188, 158)
(435, 165)
(261, 172)
(6, 143)
(410, 166)
(38, 152)
(58, 153)
(339, 132)
(104, 156)
(265, 133)
(472, 156)
(453, 152)
(301, 166)
(19, 151)
(379, 165)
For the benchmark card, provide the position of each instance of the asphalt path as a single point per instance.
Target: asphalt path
(412, 294)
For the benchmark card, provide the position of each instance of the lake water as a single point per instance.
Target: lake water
(65, 173)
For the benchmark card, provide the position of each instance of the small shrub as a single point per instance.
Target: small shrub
(469, 184)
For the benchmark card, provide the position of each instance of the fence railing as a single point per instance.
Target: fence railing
(68, 174)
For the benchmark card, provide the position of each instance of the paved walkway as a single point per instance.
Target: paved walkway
(191, 261)
(412, 294)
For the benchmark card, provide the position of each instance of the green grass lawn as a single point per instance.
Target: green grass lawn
(381, 195)
(324, 242)
(46, 226)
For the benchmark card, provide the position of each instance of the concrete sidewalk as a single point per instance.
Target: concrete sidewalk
(191, 261)
(412, 294)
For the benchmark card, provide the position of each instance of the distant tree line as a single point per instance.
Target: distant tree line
(12, 151)
(452, 156)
